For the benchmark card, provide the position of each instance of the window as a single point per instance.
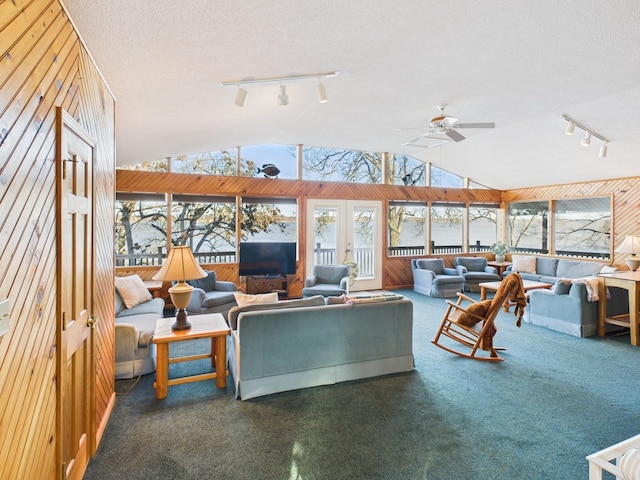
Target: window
(483, 227)
(407, 228)
(446, 228)
(405, 170)
(157, 166)
(529, 226)
(206, 224)
(269, 220)
(213, 163)
(342, 165)
(269, 160)
(141, 229)
(442, 178)
(583, 227)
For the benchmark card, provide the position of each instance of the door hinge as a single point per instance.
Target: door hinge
(64, 470)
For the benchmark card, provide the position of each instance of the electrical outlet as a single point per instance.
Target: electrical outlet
(5, 320)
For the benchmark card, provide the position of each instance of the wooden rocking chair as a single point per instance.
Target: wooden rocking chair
(473, 325)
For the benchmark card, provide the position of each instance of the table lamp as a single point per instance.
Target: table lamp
(180, 266)
(630, 244)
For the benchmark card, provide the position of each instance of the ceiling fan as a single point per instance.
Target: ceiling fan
(443, 128)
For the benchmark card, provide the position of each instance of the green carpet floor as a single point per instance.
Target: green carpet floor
(554, 400)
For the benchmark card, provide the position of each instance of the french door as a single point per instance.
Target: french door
(346, 231)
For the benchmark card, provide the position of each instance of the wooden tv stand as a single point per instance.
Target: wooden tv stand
(254, 284)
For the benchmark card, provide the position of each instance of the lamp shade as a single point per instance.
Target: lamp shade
(630, 244)
(181, 265)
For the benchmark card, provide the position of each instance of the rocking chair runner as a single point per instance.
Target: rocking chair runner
(473, 326)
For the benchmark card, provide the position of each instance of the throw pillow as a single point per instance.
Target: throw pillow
(562, 287)
(523, 263)
(132, 290)
(243, 299)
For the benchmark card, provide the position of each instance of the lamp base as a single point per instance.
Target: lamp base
(181, 322)
(633, 263)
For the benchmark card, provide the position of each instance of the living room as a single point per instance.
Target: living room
(51, 62)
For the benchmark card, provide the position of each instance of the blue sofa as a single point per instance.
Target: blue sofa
(293, 344)
(567, 307)
(431, 277)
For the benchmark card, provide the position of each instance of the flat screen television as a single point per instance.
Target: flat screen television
(267, 258)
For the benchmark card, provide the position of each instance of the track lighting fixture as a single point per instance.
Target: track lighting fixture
(322, 93)
(241, 97)
(588, 133)
(283, 98)
(570, 128)
(603, 150)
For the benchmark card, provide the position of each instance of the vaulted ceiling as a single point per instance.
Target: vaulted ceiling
(518, 64)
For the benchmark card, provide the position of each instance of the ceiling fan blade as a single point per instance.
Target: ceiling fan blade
(410, 128)
(475, 125)
(455, 136)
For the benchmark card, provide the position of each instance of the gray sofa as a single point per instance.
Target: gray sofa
(431, 277)
(567, 307)
(135, 352)
(301, 343)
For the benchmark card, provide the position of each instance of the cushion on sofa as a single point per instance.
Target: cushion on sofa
(436, 265)
(207, 283)
(562, 287)
(472, 264)
(546, 266)
(523, 263)
(314, 301)
(577, 268)
(216, 298)
(132, 290)
(243, 299)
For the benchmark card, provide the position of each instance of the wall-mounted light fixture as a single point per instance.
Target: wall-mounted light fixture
(588, 133)
(283, 98)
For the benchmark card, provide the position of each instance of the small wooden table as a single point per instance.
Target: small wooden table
(630, 281)
(154, 287)
(500, 266)
(211, 326)
(494, 286)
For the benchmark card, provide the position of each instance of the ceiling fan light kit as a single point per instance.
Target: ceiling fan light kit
(283, 98)
(588, 133)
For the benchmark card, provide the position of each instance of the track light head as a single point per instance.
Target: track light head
(570, 127)
(603, 150)
(283, 98)
(322, 93)
(586, 141)
(241, 97)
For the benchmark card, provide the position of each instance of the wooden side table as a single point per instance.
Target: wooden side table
(500, 266)
(630, 281)
(154, 287)
(211, 326)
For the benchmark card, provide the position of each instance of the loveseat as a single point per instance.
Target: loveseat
(475, 270)
(550, 269)
(135, 352)
(293, 344)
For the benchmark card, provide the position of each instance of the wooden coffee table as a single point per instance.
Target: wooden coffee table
(494, 286)
(211, 326)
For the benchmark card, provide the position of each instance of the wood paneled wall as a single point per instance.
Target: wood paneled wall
(626, 204)
(44, 65)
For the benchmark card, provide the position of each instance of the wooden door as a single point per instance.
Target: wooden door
(75, 362)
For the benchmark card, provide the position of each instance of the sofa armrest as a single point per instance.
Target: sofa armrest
(461, 269)
(491, 270)
(310, 281)
(424, 277)
(344, 284)
(225, 286)
(126, 336)
(197, 297)
(450, 271)
(578, 291)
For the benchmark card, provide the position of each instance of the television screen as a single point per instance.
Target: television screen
(267, 258)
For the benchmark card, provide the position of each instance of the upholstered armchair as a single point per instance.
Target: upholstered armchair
(475, 270)
(431, 277)
(211, 295)
(327, 280)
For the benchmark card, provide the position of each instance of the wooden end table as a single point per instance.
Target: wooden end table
(211, 326)
(500, 266)
(494, 286)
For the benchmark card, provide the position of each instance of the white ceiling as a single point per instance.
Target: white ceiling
(519, 64)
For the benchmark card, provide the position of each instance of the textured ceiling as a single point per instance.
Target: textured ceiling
(518, 64)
